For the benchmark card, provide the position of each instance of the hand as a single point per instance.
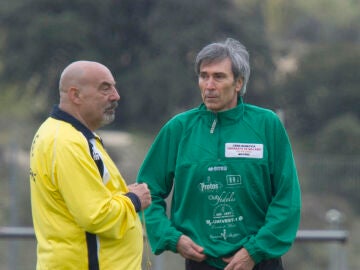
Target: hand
(240, 261)
(143, 192)
(189, 250)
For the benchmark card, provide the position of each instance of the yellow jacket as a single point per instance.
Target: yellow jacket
(79, 215)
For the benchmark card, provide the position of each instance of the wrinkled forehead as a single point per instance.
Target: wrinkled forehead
(97, 76)
(220, 64)
(215, 59)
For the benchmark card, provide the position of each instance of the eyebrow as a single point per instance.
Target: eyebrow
(106, 83)
(215, 73)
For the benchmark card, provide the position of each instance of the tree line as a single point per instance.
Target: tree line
(150, 46)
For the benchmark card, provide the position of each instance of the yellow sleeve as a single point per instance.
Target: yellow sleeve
(93, 207)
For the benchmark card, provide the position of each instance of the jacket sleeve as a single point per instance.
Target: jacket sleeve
(157, 171)
(283, 215)
(93, 207)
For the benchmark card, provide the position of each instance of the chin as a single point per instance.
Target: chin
(212, 108)
(108, 118)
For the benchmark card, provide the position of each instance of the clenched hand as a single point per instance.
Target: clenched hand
(240, 261)
(189, 250)
(143, 192)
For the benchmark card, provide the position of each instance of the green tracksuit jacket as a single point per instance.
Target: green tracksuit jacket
(234, 179)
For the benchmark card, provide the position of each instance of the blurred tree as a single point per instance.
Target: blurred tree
(165, 82)
(339, 136)
(324, 88)
(312, 21)
(149, 45)
(47, 35)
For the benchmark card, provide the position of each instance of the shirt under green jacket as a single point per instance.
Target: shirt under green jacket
(235, 183)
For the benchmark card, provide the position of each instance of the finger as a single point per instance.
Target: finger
(197, 252)
(197, 248)
(190, 250)
(199, 257)
(227, 260)
(145, 185)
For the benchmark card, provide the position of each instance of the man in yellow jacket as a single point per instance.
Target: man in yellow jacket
(84, 214)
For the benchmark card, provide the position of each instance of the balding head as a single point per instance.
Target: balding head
(77, 74)
(87, 92)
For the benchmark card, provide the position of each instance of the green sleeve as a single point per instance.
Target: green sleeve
(275, 238)
(157, 171)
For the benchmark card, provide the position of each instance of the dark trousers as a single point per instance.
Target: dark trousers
(273, 264)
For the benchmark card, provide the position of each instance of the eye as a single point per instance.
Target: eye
(219, 76)
(203, 76)
(106, 87)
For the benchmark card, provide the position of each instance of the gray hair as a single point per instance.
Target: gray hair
(231, 49)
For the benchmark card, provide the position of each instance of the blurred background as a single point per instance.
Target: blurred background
(305, 59)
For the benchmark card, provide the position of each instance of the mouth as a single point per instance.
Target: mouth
(111, 109)
(210, 98)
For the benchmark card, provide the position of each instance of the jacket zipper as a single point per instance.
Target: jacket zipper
(213, 125)
(212, 131)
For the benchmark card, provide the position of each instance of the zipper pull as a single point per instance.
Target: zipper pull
(213, 126)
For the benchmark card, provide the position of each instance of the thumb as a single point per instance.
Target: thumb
(197, 248)
(227, 260)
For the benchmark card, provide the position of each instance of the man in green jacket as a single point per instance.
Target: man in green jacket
(236, 196)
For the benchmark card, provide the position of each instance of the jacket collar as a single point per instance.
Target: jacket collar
(225, 117)
(59, 114)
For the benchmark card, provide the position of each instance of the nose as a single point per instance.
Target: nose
(210, 83)
(115, 96)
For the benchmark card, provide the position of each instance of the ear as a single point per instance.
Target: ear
(239, 84)
(74, 95)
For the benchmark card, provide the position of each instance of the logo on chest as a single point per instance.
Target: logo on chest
(244, 150)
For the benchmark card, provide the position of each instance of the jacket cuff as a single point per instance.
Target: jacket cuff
(135, 200)
(254, 253)
(173, 241)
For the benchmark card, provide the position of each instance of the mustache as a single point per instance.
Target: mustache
(113, 105)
